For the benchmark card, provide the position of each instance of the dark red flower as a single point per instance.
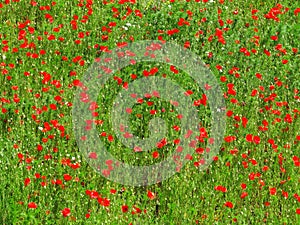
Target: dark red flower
(124, 208)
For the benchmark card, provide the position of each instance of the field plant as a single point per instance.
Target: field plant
(251, 48)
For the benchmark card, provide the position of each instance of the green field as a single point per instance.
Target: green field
(250, 47)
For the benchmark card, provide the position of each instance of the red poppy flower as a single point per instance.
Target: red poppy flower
(32, 205)
(230, 138)
(228, 204)
(285, 194)
(150, 195)
(155, 154)
(267, 203)
(243, 186)
(66, 212)
(173, 69)
(124, 208)
(67, 177)
(244, 121)
(256, 139)
(221, 188)
(26, 182)
(110, 138)
(267, 52)
(244, 194)
(272, 191)
(249, 137)
(93, 155)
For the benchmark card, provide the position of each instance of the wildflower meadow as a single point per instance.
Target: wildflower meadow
(149, 112)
